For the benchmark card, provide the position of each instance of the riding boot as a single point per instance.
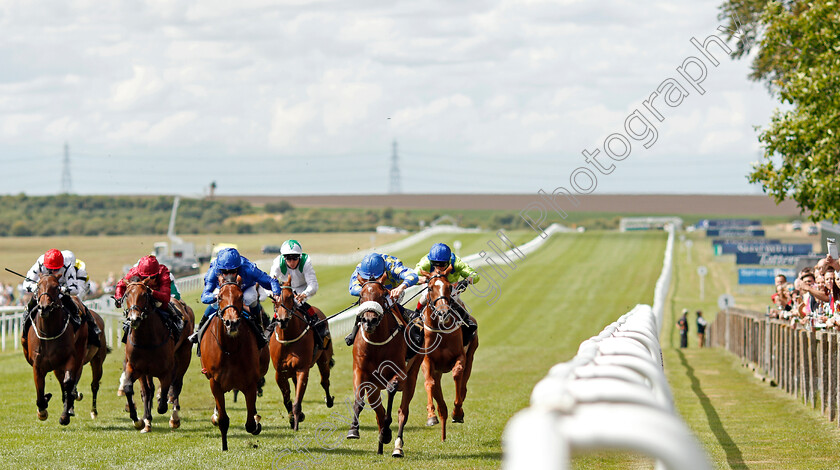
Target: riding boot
(73, 310)
(323, 331)
(352, 336)
(197, 335)
(125, 327)
(93, 330)
(469, 328)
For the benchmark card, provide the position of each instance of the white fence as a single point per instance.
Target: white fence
(342, 324)
(612, 395)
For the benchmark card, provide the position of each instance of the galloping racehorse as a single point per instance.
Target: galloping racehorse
(292, 346)
(230, 358)
(445, 348)
(379, 363)
(52, 345)
(150, 351)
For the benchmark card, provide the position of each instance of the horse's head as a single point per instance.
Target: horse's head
(372, 299)
(137, 300)
(230, 301)
(285, 304)
(47, 295)
(440, 292)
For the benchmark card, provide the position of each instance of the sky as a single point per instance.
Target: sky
(307, 97)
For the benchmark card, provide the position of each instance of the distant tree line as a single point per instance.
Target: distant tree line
(67, 214)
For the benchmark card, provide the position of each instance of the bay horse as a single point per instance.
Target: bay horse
(292, 346)
(230, 358)
(379, 363)
(51, 346)
(151, 352)
(444, 343)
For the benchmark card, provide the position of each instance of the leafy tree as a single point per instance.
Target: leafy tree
(798, 58)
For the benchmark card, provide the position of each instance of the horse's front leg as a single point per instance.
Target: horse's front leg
(459, 377)
(408, 385)
(429, 383)
(147, 392)
(68, 389)
(358, 404)
(129, 376)
(375, 400)
(223, 420)
(300, 390)
(41, 400)
(252, 421)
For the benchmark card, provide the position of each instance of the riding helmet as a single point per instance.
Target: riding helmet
(291, 247)
(148, 266)
(228, 258)
(440, 253)
(53, 259)
(372, 266)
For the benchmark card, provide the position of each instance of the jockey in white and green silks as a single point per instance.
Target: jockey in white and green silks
(294, 263)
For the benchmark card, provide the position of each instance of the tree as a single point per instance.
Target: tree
(798, 58)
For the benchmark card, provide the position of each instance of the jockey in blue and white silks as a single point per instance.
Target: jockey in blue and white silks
(372, 267)
(229, 260)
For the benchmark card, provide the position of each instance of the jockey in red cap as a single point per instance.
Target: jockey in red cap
(55, 263)
(161, 285)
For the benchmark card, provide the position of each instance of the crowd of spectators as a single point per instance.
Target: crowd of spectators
(813, 299)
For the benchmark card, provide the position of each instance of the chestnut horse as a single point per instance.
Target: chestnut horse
(150, 351)
(52, 345)
(230, 358)
(444, 343)
(292, 346)
(379, 352)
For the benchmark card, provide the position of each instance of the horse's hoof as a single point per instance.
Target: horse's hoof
(432, 421)
(138, 425)
(43, 415)
(385, 435)
(174, 424)
(93, 415)
(64, 420)
(214, 418)
(330, 401)
(353, 434)
(459, 419)
(258, 430)
(71, 412)
(79, 396)
(291, 423)
(162, 408)
(398, 452)
(257, 418)
(302, 417)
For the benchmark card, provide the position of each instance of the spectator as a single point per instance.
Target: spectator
(682, 323)
(701, 329)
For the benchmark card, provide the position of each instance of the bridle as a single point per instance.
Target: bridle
(142, 314)
(436, 313)
(44, 312)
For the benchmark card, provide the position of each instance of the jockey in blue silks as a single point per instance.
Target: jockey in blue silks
(372, 267)
(229, 260)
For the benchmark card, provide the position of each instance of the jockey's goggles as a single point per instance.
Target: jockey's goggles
(291, 257)
(228, 271)
(439, 264)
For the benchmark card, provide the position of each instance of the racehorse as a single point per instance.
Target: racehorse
(230, 358)
(51, 346)
(379, 352)
(150, 351)
(292, 346)
(445, 350)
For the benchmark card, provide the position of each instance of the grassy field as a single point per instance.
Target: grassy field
(741, 421)
(549, 304)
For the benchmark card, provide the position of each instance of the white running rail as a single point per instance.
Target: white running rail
(612, 395)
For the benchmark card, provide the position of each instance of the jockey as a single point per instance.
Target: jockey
(295, 263)
(229, 260)
(149, 267)
(372, 267)
(440, 256)
(81, 271)
(54, 262)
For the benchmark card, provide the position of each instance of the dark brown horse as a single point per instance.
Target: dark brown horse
(151, 352)
(379, 363)
(230, 358)
(445, 351)
(292, 346)
(53, 345)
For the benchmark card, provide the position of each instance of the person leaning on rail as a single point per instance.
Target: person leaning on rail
(399, 278)
(441, 256)
(62, 265)
(293, 262)
(230, 261)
